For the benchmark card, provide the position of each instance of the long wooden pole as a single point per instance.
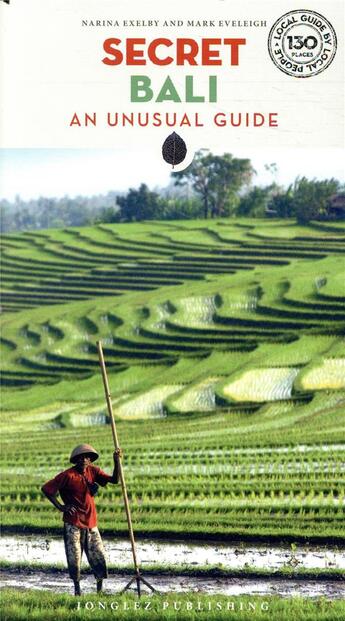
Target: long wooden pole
(122, 478)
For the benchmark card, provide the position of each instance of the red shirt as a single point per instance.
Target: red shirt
(73, 489)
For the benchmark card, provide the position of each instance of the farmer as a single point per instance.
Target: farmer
(77, 486)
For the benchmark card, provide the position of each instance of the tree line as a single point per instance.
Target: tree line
(212, 186)
(45, 213)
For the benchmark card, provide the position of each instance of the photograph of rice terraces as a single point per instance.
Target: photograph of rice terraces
(219, 304)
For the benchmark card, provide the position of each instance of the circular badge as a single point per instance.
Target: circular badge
(302, 43)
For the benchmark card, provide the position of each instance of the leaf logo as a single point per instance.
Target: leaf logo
(174, 149)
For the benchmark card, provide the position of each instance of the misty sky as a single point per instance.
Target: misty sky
(56, 172)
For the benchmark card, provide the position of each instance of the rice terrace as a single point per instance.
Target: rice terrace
(224, 345)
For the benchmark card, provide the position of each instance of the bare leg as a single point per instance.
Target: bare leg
(99, 586)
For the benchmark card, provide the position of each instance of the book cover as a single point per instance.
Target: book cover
(172, 315)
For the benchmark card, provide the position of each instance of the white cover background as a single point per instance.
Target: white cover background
(51, 67)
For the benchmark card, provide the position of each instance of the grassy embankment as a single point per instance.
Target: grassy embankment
(46, 606)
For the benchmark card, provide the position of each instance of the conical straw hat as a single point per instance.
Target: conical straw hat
(81, 449)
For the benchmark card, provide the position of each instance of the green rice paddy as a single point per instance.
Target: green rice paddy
(226, 360)
(224, 344)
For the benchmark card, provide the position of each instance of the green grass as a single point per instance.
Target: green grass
(50, 607)
(206, 571)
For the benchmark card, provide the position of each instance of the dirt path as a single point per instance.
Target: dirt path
(60, 583)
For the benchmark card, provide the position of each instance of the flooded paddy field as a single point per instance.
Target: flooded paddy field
(49, 550)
